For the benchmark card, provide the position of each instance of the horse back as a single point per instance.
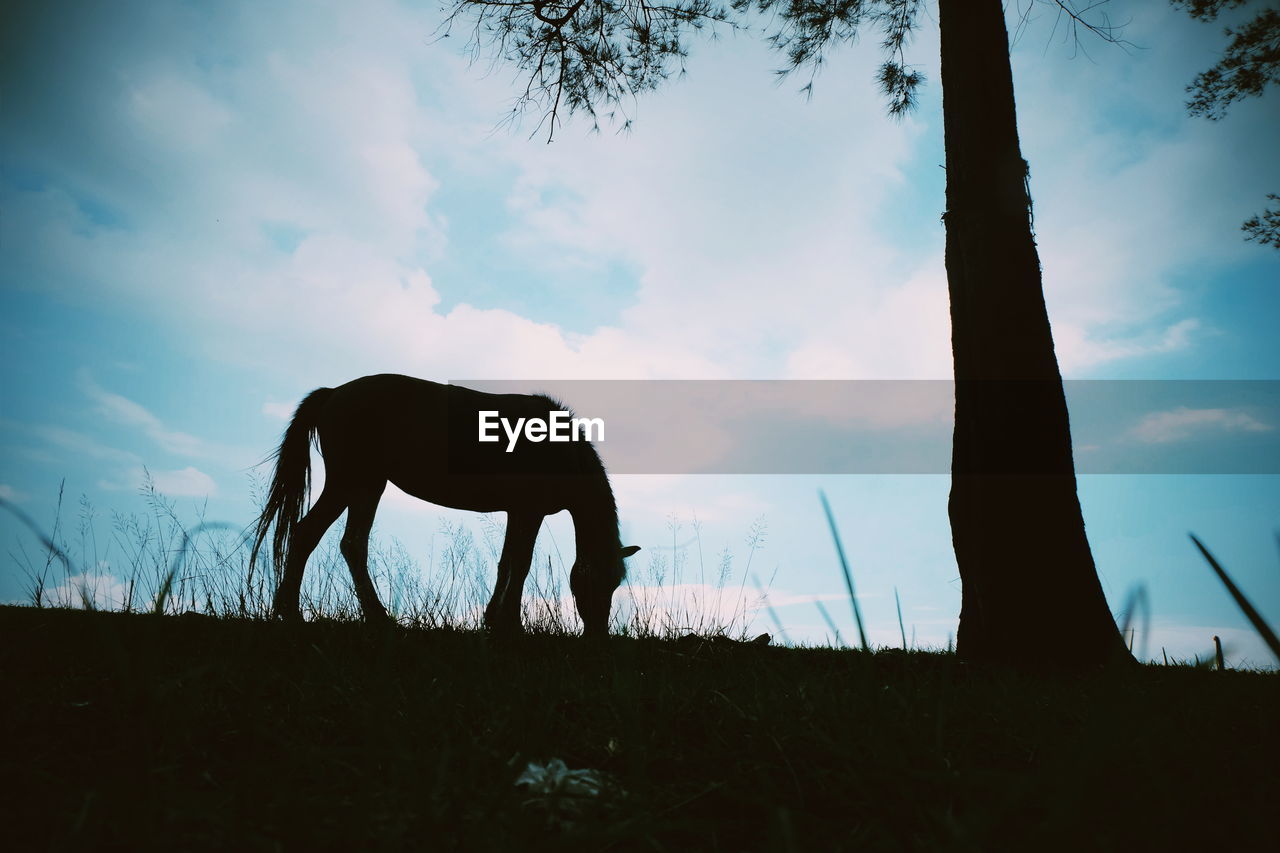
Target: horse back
(424, 437)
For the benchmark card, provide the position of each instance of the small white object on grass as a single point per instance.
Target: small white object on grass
(566, 792)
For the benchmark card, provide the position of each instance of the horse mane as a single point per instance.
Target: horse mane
(598, 490)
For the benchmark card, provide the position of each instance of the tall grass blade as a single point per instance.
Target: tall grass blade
(1255, 618)
(81, 586)
(87, 598)
(162, 594)
(773, 614)
(1135, 601)
(902, 628)
(166, 584)
(844, 567)
(830, 623)
(44, 540)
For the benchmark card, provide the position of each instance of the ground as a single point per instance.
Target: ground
(194, 732)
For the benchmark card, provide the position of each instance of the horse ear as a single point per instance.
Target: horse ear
(628, 551)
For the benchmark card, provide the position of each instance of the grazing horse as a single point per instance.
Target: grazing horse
(424, 437)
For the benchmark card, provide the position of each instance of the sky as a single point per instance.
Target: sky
(209, 209)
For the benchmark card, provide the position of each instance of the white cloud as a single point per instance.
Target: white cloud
(1079, 349)
(179, 113)
(743, 251)
(182, 483)
(895, 331)
(78, 442)
(1183, 423)
(652, 500)
(11, 494)
(125, 411)
(128, 471)
(761, 248)
(1136, 204)
(98, 590)
(360, 177)
(278, 411)
(185, 482)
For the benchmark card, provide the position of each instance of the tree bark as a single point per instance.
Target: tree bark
(1031, 594)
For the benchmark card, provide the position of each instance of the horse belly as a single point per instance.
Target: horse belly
(488, 493)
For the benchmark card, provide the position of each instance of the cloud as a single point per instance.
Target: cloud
(178, 114)
(1079, 348)
(79, 443)
(129, 471)
(1137, 206)
(11, 494)
(125, 411)
(186, 482)
(1182, 423)
(742, 259)
(371, 150)
(653, 500)
(98, 590)
(278, 411)
(783, 598)
(343, 149)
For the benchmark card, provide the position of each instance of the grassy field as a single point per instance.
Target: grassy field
(197, 732)
(168, 712)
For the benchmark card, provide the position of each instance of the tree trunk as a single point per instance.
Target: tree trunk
(1031, 594)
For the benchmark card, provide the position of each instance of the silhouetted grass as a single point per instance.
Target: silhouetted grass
(139, 731)
(135, 730)
(1246, 607)
(154, 562)
(844, 568)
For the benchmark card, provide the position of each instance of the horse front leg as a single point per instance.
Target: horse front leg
(503, 613)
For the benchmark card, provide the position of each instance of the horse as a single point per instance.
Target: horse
(425, 438)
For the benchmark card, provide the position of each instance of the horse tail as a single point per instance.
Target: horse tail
(291, 483)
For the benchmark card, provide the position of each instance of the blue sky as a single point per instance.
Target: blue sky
(210, 209)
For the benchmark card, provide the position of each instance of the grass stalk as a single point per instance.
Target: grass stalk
(844, 567)
(830, 623)
(901, 627)
(1255, 618)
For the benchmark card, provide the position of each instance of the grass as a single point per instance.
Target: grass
(178, 718)
(153, 562)
(208, 733)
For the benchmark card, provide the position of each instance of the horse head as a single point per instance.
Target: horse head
(593, 580)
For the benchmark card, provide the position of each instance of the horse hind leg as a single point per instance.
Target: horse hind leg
(361, 508)
(503, 612)
(305, 538)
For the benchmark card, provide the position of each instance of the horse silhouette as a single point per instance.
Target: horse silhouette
(423, 437)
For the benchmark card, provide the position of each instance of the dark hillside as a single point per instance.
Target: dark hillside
(200, 733)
